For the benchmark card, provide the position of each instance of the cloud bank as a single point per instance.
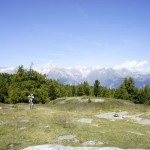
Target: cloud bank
(134, 66)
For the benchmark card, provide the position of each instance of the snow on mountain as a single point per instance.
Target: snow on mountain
(9, 70)
(48, 67)
(107, 76)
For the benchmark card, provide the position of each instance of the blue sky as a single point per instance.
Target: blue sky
(74, 32)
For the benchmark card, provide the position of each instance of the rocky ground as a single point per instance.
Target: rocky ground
(60, 147)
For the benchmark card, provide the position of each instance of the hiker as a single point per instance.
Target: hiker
(31, 97)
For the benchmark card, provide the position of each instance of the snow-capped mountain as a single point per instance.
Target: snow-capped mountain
(108, 77)
(10, 70)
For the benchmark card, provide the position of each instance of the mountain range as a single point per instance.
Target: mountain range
(10, 70)
(108, 77)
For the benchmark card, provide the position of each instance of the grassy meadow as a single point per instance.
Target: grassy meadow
(21, 127)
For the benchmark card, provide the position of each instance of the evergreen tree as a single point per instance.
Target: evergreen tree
(147, 95)
(4, 85)
(144, 95)
(104, 92)
(86, 88)
(131, 89)
(53, 90)
(121, 92)
(80, 91)
(96, 88)
(73, 90)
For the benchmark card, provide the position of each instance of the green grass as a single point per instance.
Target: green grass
(21, 127)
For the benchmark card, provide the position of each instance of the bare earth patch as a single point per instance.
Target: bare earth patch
(92, 143)
(68, 137)
(136, 133)
(85, 120)
(24, 120)
(88, 120)
(99, 100)
(140, 120)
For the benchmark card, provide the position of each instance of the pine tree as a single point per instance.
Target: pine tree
(131, 89)
(121, 92)
(73, 90)
(4, 85)
(80, 91)
(96, 88)
(86, 88)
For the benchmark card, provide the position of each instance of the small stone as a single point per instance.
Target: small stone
(22, 128)
(25, 121)
(116, 115)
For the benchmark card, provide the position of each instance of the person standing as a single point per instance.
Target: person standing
(31, 97)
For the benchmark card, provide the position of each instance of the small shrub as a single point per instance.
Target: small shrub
(89, 100)
(14, 106)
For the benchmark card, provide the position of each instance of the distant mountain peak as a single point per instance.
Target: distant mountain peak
(48, 67)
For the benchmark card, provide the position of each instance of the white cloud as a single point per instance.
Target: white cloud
(134, 66)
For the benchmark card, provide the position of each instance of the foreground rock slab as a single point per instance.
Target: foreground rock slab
(124, 115)
(61, 147)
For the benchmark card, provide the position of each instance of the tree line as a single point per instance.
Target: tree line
(14, 88)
